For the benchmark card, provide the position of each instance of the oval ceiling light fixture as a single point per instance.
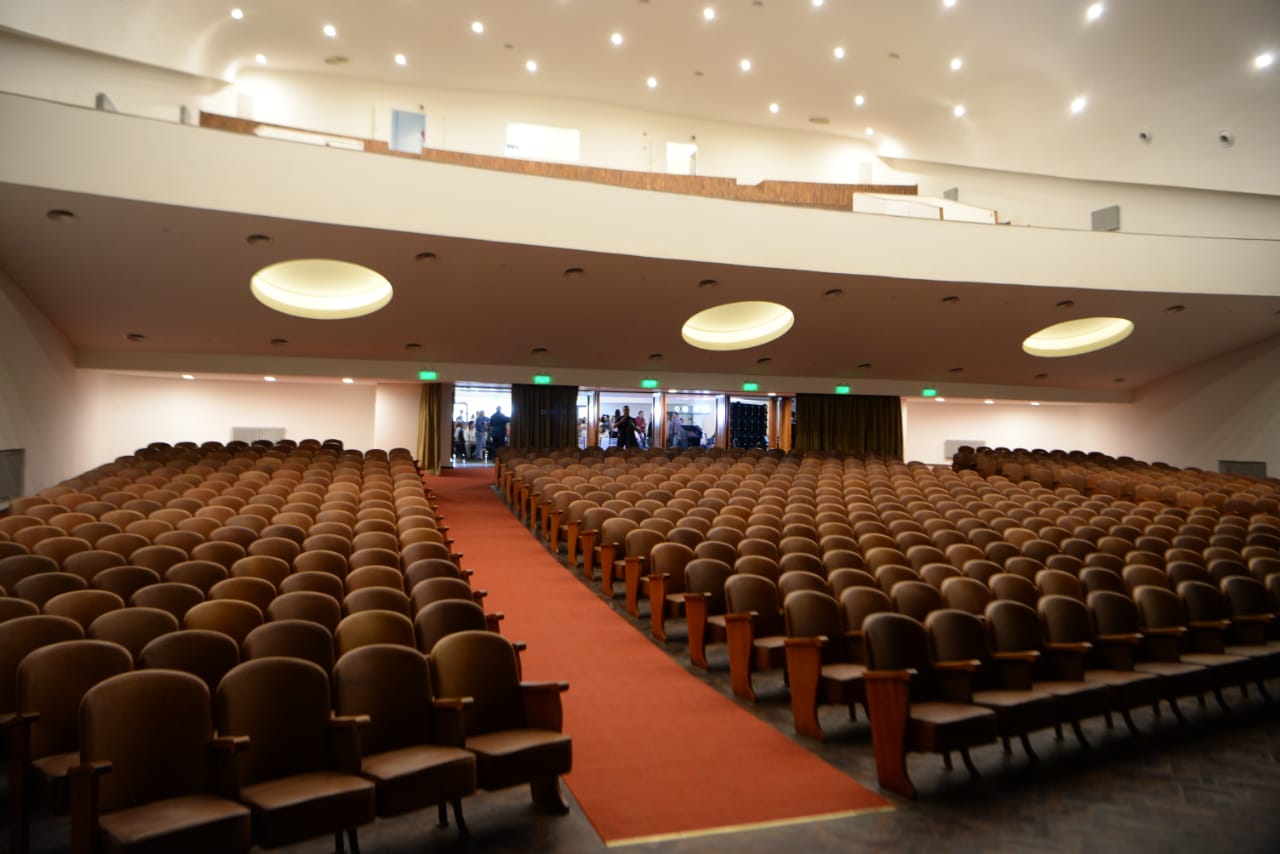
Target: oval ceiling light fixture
(738, 325)
(1077, 337)
(321, 288)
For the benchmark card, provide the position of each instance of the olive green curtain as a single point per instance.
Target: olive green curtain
(544, 416)
(860, 423)
(428, 449)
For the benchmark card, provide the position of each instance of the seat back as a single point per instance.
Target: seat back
(754, 593)
(966, 594)
(205, 654)
(915, 598)
(956, 636)
(447, 617)
(292, 639)
(132, 628)
(282, 705)
(368, 627)
(154, 727)
(53, 679)
(708, 575)
(434, 589)
(313, 606)
(481, 665)
(233, 617)
(392, 685)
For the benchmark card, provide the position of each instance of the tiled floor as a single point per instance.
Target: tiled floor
(1212, 785)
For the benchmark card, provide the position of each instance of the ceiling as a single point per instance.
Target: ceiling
(1180, 69)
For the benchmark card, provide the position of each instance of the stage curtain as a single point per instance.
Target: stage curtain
(428, 449)
(544, 416)
(859, 423)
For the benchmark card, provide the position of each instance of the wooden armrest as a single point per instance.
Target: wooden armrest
(90, 769)
(890, 675)
(349, 722)
(1254, 618)
(1220, 625)
(347, 749)
(226, 778)
(1028, 656)
(740, 618)
(853, 634)
(466, 574)
(690, 596)
(450, 720)
(818, 641)
(542, 706)
(19, 719)
(455, 703)
(1166, 631)
(231, 743)
(1130, 638)
(1078, 647)
(968, 665)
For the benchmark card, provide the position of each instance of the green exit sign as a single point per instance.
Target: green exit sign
(842, 389)
(648, 383)
(542, 379)
(751, 386)
(929, 392)
(428, 376)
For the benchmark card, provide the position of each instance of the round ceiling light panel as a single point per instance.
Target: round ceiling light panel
(321, 288)
(1077, 337)
(738, 325)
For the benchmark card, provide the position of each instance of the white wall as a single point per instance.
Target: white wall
(126, 412)
(395, 415)
(1224, 409)
(40, 392)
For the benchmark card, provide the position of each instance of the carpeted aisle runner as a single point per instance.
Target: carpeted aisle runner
(656, 753)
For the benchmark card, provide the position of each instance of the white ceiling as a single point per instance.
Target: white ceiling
(1180, 68)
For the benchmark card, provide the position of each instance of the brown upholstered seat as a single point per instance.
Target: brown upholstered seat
(83, 606)
(293, 639)
(376, 598)
(314, 581)
(202, 653)
(753, 628)
(911, 708)
(132, 628)
(667, 562)
(233, 617)
(311, 605)
(300, 774)
(513, 727)
(413, 747)
(172, 596)
(138, 791)
(958, 640)
(824, 661)
(43, 744)
(368, 627)
(43, 586)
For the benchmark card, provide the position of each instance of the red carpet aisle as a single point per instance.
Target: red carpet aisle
(656, 752)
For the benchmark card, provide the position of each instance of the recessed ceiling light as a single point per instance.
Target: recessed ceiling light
(269, 379)
(616, 38)
(413, 345)
(238, 14)
(817, 3)
(279, 342)
(573, 272)
(948, 3)
(655, 357)
(1263, 60)
(1079, 103)
(348, 380)
(773, 108)
(1040, 377)
(1077, 337)
(531, 65)
(745, 64)
(425, 257)
(135, 337)
(321, 288)
(864, 365)
(839, 53)
(538, 351)
(957, 63)
(833, 293)
(477, 27)
(871, 131)
(773, 394)
(737, 325)
(331, 31)
(1035, 403)
(61, 215)
(988, 402)
(958, 111)
(858, 100)
(939, 400)
(709, 14)
(336, 59)
(1094, 12)
(258, 239)
(400, 59)
(708, 283)
(261, 59)
(652, 82)
(188, 376)
(1175, 309)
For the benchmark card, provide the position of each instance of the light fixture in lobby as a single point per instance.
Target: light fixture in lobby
(1077, 337)
(321, 288)
(738, 325)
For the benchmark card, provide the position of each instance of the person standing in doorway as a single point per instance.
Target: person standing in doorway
(498, 428)
(626, 427)
(482, 434)
(641, 430)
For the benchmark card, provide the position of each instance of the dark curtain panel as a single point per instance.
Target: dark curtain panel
(428, 449)
(544, 416)
(859, 423)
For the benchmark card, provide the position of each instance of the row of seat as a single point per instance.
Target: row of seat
(295, 756)
(298, 587)
(750, 533)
